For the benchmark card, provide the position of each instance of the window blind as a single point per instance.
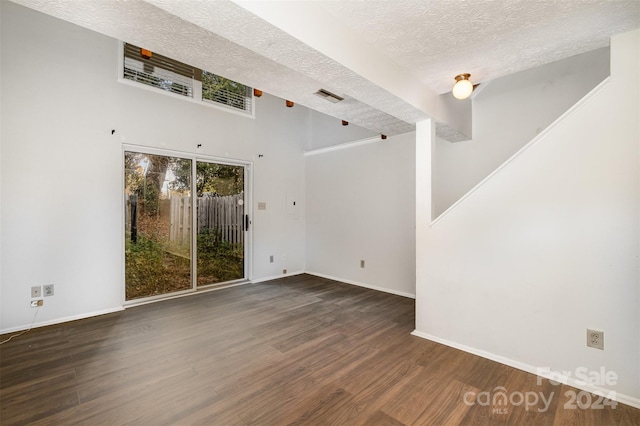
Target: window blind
(227, 92)
(158, 71)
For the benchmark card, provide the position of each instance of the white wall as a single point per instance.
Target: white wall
(327, 131)
(507, 113)
(62, 168)
(548, 247)
(1, 225)
(360, 206)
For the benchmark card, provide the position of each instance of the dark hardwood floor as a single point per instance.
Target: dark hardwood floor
(299, 350)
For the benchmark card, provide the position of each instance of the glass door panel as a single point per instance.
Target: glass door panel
(221, 222)
(158, 224)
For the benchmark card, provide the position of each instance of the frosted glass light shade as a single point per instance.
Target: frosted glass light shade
(463, 87)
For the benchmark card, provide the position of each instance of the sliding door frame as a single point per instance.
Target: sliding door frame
(248, 204)
(248, 211)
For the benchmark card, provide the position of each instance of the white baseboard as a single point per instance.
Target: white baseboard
(555, 376)
(253, 281)
(359, 284)
(275, 277)
(61, 320)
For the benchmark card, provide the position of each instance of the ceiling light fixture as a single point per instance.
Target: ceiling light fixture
(463, 87)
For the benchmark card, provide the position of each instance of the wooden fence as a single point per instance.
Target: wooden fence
(180, 220)
(224, 214)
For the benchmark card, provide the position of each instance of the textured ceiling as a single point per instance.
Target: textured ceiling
(365, 104)
(438, 39)
(388, 59)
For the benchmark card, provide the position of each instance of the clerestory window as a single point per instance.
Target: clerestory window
(164, 73)
(227, 92)
(152, 69)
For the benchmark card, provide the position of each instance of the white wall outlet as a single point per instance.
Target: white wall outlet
(36, 291)
(595, 339)
(48, 290)
(362, 264)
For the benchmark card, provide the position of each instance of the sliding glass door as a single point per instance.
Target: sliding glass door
(164, 197)
(221, 222)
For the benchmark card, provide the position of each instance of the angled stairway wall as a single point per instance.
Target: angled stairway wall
(508, 112)
(548, 246)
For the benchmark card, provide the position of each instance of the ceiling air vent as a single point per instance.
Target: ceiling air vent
(329, 96)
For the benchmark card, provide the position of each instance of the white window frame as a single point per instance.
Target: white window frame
(196, 87)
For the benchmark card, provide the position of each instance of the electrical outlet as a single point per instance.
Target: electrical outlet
(48, 290)
(284, 271)
(271, 259)
(362, 264)
(595, 339)
(36, 291)
(36, 303)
